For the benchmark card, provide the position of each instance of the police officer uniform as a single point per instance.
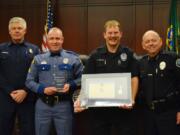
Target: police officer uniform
(15, 60)
(54, 69)
(159, 84)
(103, 120)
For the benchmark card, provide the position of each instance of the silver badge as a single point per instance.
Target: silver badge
(43, 62)
(178, 62)
(162, 65)
(123, 56)
(30, 51)
(65, 60)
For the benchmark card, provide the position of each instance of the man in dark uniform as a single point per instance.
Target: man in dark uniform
(112, 57)
(159, 84)
(15, 98)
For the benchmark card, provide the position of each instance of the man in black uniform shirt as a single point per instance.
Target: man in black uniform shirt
(159, 84)
(112, 57)
(15, 98)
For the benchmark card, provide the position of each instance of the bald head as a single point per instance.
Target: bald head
(150, 32)
(55, 39)
(151, 43)
(56, 30)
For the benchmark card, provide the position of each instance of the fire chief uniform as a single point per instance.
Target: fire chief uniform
(54, 69)
(159, 84)
(15, 60)
(105, 119)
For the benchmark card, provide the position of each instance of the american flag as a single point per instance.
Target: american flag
(48, 25)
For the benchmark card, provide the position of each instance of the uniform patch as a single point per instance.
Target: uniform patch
(123, 56)
(178, 62)
(162, 65)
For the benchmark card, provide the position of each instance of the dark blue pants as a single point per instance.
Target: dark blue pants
(112, 121)
(8, 112)
(163, 123)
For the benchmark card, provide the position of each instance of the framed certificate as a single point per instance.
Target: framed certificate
(103, 90)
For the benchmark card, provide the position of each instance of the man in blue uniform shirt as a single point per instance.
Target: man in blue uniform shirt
(112, 57)
(159, 84)
(54, 76)
(15, 98)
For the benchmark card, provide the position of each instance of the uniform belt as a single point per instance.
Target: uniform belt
(164, 104)
(54, 99)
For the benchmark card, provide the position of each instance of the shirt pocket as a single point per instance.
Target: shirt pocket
(44, 67)
(65, 67)
(4, 56)
(124, 64)
(66, 70)
(100, 63)
(143, 75)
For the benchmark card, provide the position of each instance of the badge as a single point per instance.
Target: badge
(44, 62)
(65, 60)
(30, 51)
(178, 62)
(162, 65)
(123, 56)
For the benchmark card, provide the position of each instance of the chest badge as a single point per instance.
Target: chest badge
(178, 62)
(30, 51)
(123, 56)
(65, 60)
(44, 62)
(162, 65)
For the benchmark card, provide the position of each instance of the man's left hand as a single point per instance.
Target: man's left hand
(66, 88)
(178, 118)
(19, 95)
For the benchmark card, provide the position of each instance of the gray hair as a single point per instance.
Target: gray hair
(18, 20)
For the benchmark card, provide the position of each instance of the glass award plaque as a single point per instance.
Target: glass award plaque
(59, 82)
(105, 90)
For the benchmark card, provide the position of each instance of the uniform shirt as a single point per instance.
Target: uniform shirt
(159, 76)
(15, 60)
(102, 61)
(47, 68)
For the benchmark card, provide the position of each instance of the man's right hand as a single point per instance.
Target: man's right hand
(50, 90)
(77, 106)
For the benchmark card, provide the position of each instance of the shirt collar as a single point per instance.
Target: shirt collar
(105, 50)
(53, 54)
(13, 44)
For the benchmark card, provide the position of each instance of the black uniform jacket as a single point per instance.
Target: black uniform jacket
(159, 76)
(15, 60)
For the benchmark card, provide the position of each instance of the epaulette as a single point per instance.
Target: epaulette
(72, 52)
(169, 53)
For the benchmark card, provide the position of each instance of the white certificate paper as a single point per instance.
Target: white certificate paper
(102, 90)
